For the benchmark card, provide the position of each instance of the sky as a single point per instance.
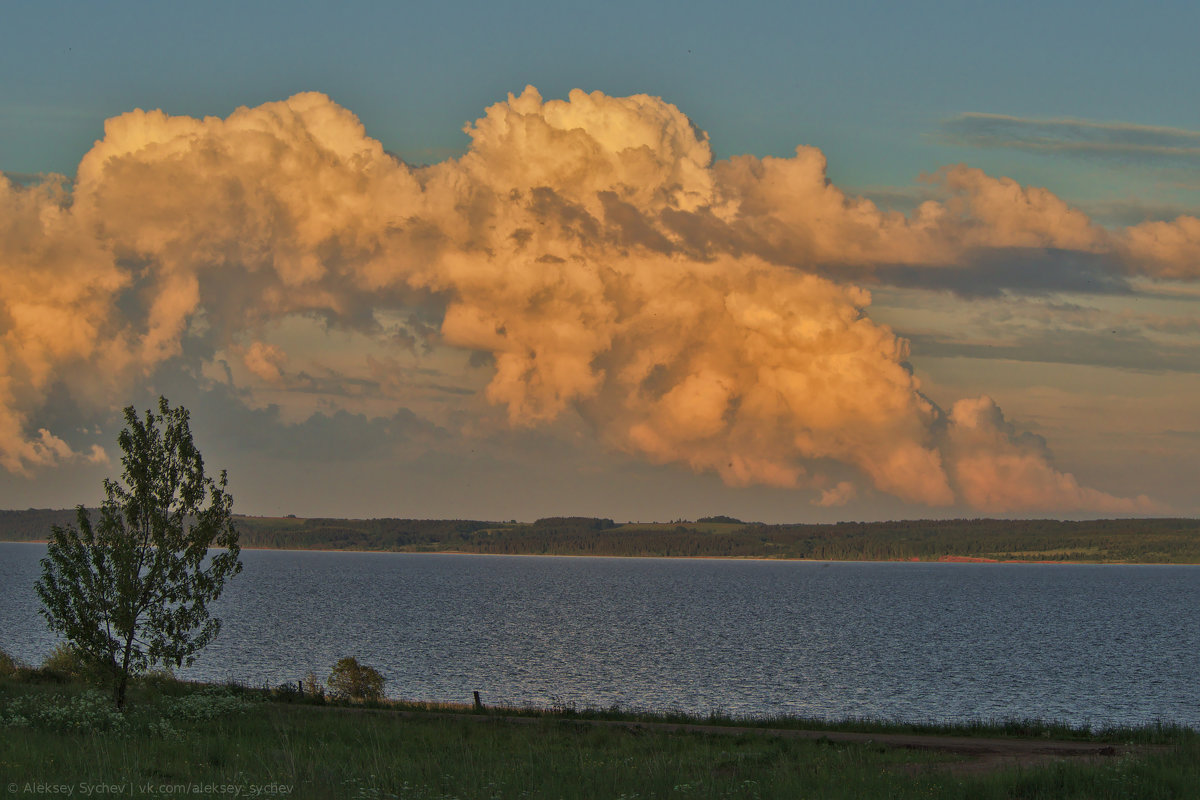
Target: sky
(506, 261)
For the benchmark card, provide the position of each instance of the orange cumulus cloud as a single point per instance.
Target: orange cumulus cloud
(687, 308)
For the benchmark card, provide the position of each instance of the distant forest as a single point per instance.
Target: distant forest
(1154, 541)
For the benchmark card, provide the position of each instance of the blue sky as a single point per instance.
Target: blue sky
(1096, 102)
(869, 83)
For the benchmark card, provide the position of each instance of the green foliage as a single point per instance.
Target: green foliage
(355, 534)
(1162, 541)
(72, 663)
(31, 524)
(573, 523)
(353, 681)
(313, 688)
(8, 665)
(87, 711)
(133, 590)
(161, 678)
(1140, 541)
(276, 749)
(207, 704)
(65, 660)
(288, 692)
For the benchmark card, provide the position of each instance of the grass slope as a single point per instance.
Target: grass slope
(230, 741)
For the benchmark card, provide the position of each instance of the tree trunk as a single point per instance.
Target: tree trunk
(123, 675)
(119, 694)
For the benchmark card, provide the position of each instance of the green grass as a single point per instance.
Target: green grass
(176, 734)
(1156, 733)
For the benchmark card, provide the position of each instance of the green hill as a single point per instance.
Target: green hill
(1156, 541)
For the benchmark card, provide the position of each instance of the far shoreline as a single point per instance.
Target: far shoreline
(939, 560)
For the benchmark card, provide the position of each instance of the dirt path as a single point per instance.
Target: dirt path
(979, 754)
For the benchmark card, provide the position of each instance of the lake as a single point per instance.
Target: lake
(1103, 644)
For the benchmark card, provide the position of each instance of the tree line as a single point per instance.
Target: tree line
(1163, 541)
(1142, 540)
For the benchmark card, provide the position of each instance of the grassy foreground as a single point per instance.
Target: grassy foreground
(181, 739)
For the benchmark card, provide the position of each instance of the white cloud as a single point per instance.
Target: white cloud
(590, 247)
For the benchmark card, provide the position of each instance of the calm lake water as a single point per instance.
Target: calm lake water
(915, 642)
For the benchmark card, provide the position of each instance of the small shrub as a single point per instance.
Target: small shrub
(313, 687)
(160, 680)
(8, 665)
(287, 692)
(205, 705)
(42, 675)
(72, 664)
(88, 711)
(163, 729)
(353, 681)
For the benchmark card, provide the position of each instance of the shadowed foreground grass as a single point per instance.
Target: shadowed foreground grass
(229, 741)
